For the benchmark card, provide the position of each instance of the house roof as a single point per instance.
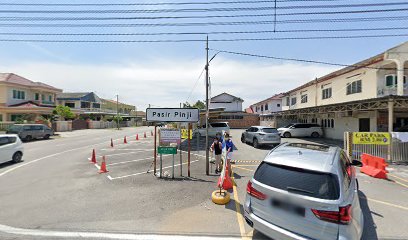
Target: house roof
(73, 95)
(224, 93)
(114, 101)
(19, 80)
(83, 96)
(274, 97)
(29, 104)
(249, 110)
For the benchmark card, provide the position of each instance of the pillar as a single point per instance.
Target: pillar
(400, 77)
(390, 114)
(3, 117)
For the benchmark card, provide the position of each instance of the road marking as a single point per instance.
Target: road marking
(136, 160)
(48, 156)
(140, 173)
(199, 155)
(248, 161)
(97, 235)
(386, 203)
(243, 168)
(404, 185)
(127, 149)
(405, 180)
(245, 165)
(240, 218)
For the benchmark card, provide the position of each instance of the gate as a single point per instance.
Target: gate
(395, 152)
(79, 124)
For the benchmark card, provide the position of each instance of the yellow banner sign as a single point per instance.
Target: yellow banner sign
(378, 138)
(184, 134)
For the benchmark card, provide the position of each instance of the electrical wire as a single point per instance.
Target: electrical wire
(206, 33)
(263, 8)
(195, 17)
(297, 60)
(195, 84)
(191, 24)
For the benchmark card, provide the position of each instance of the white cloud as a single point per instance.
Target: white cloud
(168, 82)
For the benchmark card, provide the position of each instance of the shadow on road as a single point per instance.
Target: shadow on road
(6, 164)
(370, 229)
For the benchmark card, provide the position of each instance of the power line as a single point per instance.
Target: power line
(206, 33)
(158, 4)
(195, 84)
(297, 60)
(196, 17)
(205, 9)
(200, 40)
(190, 24)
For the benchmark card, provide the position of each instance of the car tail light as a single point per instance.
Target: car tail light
(255, 193)
(343, 216)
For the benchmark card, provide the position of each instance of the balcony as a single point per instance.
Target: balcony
(386, 91)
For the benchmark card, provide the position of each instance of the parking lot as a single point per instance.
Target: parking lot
(63, 192)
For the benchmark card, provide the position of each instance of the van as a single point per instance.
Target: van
(213, 129)
(28, 132)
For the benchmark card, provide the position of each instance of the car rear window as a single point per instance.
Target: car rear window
(269, 130)
(15, 128)
(298, 181)
(219, 125)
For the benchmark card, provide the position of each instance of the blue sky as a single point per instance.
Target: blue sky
(163, 74)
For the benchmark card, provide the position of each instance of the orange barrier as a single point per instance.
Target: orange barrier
(124, 140)
(103, 166)
(111, 142)
(137, 137)
(374, 166)
(226, 182)
(93, 158)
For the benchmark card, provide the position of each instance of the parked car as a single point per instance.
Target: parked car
(305, 191)
(11, 148)
(258, 135)
(213, 129)
(28, 132)
(301, 130)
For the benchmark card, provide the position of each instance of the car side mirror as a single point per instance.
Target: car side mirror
(357, 163)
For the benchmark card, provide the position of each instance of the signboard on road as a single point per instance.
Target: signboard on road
(169, 135)
(172, 114)
(167, 150)
(184, 134)
(376, 138)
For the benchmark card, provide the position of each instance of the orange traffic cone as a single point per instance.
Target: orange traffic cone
(93, 158)
(137, 137)
(111, 142)
(226, 182)
(144, 134)
(125, 140)
(103, 166)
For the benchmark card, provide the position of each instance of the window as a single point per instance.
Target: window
(220, 125)
(261, 108)
(4, 141)
(293, 101)
(70, 105)
(17, 94)
(346, 169)
(266, 107)
(392, 80)
(37, 96)
(303, 98)
(332, 123)
(287, 101)
(43, 97)
(298, 181)
(354, 87)
(326, 93)
(269, 130)
(278, 105)
(50, 98)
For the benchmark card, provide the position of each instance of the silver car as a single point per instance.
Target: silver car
(301, 130)
(259, 135)
(305, 191)
(28, 132)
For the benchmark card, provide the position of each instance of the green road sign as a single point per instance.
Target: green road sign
(167, 150)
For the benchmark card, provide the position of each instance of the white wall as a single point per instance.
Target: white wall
(235, 106)
(272, 106)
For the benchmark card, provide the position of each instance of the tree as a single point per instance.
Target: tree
(199, 104)
(64, 112)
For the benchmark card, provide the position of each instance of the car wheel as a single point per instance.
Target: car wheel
(242, 139)
(17, 157)
(315, 135)
(255, 143)
(47, 136)
(287, 135)
(28, 138)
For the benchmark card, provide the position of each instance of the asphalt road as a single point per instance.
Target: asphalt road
(57, 194)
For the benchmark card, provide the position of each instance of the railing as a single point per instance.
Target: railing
(386, 91)
(4, 126)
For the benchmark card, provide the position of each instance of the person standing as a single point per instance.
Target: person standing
(216, 147)
(229, 145)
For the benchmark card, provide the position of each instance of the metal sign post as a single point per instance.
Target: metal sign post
(161, 165)
(172, 174)
(155, 147)
(189, 148)
(181, 158)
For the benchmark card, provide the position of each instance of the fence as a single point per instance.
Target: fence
(4, 126)
(396, 152)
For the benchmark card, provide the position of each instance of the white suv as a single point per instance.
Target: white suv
(213, 129)
(301, 130)
(11, 148)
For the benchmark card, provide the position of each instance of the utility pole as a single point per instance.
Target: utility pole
(207, 101)
(117, 110)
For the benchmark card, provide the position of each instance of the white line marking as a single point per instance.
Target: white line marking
(96, 235)
(140, 173)
(129, 149)
(193, 153)
(136, 160)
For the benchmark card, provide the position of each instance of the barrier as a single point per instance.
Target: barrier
(125, 140)
(137, 137)
(374, 166)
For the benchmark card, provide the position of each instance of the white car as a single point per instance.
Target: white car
(301, 130)
(213, 129)
(11, 148)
